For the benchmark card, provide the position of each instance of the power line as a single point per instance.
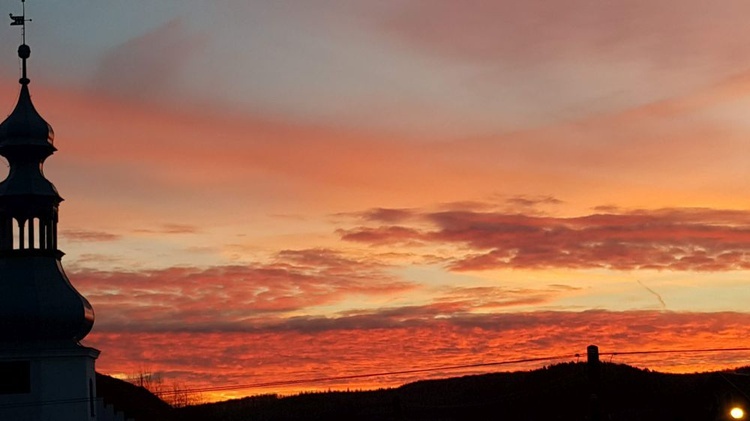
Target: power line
(305, 381)
(447, 368)
(677, 351)
(734, 386)
(361, 376)
(390, 373)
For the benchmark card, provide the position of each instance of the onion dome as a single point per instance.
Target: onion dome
(38, 303)
(26, 141)
(24, 126)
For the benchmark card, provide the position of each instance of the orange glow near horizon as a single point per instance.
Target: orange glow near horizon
(256, 363)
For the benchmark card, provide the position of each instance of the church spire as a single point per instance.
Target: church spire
(42, 316)
(25, 125)
(37, 301)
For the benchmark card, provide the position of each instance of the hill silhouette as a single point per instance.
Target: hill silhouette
(558, 392)
(134, 401)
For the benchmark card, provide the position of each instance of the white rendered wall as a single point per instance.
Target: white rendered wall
(62, 383)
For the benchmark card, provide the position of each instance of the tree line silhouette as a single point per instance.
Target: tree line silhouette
(556, 392)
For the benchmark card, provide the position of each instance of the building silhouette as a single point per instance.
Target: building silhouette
(45, 373)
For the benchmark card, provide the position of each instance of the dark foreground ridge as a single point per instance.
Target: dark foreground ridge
(134, 401)
(558, 392)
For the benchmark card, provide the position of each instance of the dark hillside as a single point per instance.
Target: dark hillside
(558, 392)
(135, 401)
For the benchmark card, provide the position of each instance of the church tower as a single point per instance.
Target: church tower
(45, 374)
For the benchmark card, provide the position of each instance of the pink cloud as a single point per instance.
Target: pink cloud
(527, 202)
(684, 239)
(383, 235)
(223, 298)
(146, 67)
(500, 31)
(160, 159)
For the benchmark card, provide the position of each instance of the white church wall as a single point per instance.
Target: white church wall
(50, 385)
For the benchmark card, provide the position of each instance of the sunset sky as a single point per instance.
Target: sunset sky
(262, 191)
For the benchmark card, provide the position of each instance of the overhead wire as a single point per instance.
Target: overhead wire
(676, 351)
(445, 368)
(314, 380)
(379, 374)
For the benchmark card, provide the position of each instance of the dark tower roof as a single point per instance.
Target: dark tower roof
(24, 126)
(26, 136)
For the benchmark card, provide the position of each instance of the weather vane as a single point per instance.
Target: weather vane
(24, 52)
(20, 20)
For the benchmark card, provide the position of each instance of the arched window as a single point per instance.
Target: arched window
(33, 230)
(17, 235)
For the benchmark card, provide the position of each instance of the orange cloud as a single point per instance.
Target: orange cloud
(171, 229)
(243, 359)
(88, 236)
